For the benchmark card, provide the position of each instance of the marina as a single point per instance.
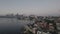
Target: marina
(29, 16)
(17, 26)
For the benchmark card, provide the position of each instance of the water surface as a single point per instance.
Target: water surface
(12, 25)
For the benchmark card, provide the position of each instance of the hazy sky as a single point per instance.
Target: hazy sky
(37, 7)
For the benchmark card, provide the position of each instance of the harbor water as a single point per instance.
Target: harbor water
(12, 25)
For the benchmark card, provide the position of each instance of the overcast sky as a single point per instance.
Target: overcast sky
(37, 7)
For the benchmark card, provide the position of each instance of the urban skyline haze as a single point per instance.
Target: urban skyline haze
(36, 7)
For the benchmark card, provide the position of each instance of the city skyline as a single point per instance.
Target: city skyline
(36, 7)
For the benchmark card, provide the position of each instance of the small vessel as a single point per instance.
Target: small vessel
(19, 18)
